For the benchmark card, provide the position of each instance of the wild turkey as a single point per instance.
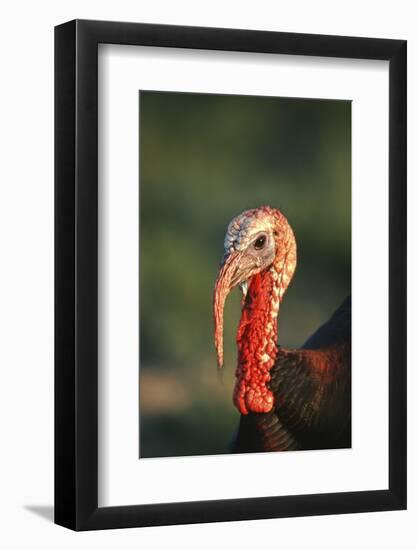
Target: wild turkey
(288, 399)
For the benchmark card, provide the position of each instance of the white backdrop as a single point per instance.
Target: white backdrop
(26, 203)
(123, 479)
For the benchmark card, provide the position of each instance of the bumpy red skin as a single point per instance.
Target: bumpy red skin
(257, 345)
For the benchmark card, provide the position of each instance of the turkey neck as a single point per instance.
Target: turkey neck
(257, 336)
(257, 344)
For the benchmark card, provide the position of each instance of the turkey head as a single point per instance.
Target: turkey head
(259, 256)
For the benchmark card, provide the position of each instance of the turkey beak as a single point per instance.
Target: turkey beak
(226, 280)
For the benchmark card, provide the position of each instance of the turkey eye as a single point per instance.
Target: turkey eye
(260, 242)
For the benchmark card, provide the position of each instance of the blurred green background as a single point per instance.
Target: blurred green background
(203, 160)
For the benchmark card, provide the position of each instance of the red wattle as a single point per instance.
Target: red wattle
(257, 344)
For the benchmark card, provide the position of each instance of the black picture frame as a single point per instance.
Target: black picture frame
(76, 272)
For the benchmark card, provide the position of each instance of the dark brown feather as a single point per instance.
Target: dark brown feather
(312, 391)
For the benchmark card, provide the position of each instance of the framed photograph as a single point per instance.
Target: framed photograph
(230, 285)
